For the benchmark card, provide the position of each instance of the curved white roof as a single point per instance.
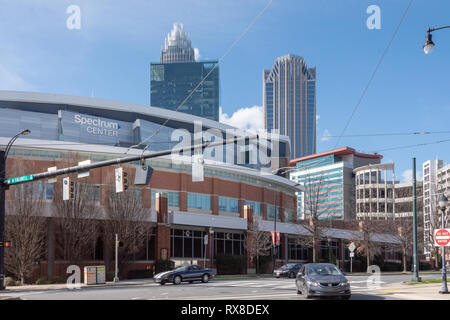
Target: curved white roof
(49, 98)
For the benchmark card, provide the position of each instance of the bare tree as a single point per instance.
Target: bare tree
(366, 243)
(24, 225)
(256, 242)
(126, 217)
(315, 208)
(75, 222)
(402, 230)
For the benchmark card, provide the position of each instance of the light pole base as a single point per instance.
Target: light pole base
(116, 279)
(416, 279)
(443, 291)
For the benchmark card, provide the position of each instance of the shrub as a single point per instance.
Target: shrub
(163, 265)
(425, 266)
(379, 261)
(392, 266)
(264, 263)
(11, 282)
(231, 264)
(140, 274)
(50, 280)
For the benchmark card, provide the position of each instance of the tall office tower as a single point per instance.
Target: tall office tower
(177, 47)
(289, 103)
(178, 74)
(431, 187)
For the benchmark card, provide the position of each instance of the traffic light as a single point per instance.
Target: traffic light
(125, 181)
(68, 189)
(119, 244)
(6, 244)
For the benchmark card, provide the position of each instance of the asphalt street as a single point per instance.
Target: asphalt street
(363, 288)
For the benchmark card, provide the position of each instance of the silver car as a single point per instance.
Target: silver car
(322, 280)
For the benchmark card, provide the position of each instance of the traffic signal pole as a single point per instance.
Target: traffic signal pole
(2, 219)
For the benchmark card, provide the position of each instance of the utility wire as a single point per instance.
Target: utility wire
(413, 145)
(386, 134)
(204, 78)
(373, 73)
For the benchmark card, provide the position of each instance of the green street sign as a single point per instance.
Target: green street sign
(29, 177)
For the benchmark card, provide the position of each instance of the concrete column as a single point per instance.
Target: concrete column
(162, 228)
(248, 214)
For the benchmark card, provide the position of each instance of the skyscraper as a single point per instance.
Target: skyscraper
(178, 74)
(289, 103)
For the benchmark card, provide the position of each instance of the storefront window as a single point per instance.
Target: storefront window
(229, 243)
(187, 243)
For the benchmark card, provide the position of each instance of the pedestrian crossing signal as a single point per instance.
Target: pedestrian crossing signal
(6, 244)
(119, 244)
(121, 180)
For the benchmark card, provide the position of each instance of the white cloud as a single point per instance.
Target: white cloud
(10, 80)
(325, 136)
(407, 175)
(197, 54)
(251, 118)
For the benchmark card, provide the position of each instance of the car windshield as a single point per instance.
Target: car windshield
(288, 266)
(323, 270)
(183, 268)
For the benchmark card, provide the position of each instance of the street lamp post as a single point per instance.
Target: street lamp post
(429, 44)
(443, 201)
(3, 188)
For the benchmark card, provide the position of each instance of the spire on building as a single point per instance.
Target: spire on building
(177, 46)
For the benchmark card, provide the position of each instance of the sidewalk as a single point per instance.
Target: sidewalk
(414, 292)
(61, 286)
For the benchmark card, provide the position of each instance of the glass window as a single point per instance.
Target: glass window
(271, 211)
(172, 197)
(228, 204)
(199, 201)
(256, 207)
(187, 243)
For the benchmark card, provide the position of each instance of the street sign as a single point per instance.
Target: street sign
(119, 180)
(352, 247)
(442, 237)
(52, 180)
(352, 254)
(83, 174)
(205, 240)
(29, 177)
(66, 188)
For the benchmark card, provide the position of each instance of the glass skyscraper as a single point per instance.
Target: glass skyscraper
(177, 75)
(289, 103)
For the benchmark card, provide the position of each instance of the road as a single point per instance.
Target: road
(238, 289)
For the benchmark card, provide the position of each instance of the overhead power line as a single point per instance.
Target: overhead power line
(374, 72)
(386, 134)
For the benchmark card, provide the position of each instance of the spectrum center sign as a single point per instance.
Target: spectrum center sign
(98, 126)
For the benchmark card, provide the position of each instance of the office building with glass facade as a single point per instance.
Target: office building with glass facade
(329, 184)
(173, 80)
(289, 103)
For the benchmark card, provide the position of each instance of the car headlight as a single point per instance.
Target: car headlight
(315, 284)
(344, 283)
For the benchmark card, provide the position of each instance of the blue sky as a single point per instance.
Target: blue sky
(109, 58)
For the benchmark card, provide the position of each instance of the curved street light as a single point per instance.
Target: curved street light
(429, 44)
(3, 188)
(443, 202)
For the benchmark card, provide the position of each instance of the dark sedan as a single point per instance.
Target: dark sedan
(289, 270)
(184, 273)
(322, 280)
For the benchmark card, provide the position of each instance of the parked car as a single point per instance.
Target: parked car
(288, 270)
(322, 279)
(185, 273)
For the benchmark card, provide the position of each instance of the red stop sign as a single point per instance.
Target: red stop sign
(442, 237)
